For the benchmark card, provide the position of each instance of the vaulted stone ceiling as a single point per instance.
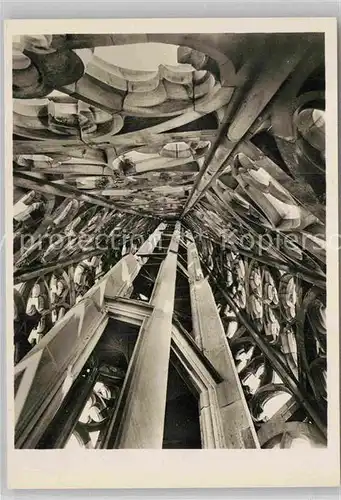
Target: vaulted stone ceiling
(228, 138)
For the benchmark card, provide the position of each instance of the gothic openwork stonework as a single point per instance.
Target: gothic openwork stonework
(169, 241)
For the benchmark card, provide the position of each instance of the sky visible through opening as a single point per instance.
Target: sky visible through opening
(139, 56)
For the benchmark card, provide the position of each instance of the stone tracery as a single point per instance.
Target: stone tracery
(102, 151)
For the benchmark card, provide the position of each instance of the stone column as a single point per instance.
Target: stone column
(143, 400)
(238, 428)
(45, 375)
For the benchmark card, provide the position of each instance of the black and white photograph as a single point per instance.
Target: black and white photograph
(169, 253)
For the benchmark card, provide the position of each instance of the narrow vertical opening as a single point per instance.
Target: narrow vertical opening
(82, 420)
(182, 425)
